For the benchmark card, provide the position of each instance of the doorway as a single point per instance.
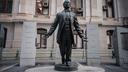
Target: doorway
(120, 44)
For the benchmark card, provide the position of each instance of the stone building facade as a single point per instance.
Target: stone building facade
(27, 21)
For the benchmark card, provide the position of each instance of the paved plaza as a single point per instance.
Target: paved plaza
(12, 66)
(108, 68)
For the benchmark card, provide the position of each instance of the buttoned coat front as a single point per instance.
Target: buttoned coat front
(59, 21)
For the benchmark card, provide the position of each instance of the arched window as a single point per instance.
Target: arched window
(6, 6)
(41, 41)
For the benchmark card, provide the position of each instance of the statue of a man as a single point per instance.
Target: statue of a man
(67, 22)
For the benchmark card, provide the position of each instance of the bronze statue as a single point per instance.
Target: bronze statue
(67, 21)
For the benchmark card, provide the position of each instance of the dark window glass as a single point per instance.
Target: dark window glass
(6, 6)
(108, 9)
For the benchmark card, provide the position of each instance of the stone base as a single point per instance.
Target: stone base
(81, 68)
(62, 67)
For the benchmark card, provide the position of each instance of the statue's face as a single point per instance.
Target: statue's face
(66, 4)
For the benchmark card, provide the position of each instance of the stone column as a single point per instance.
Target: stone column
(53, 7)
(16, 41)
(87, 8)
(116, 9)
(109, 12)
(84, 8)
(17, 35)
(59, 5)
(28, 48)
(93, 47)
(29, 33)
(15, 8)
(95, 9)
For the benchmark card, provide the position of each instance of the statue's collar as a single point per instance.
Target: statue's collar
(67, 10)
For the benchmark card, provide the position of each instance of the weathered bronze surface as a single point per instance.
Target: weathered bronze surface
(67, 22)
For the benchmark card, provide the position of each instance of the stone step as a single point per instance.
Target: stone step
(11, 53)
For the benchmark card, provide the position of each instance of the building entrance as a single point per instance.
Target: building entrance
(120, 44)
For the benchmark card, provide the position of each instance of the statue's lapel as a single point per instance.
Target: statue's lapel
(71, 17)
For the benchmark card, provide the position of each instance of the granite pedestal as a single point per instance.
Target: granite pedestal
(63, 67)
(81, 68)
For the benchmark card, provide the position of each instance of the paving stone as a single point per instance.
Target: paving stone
(108, 68)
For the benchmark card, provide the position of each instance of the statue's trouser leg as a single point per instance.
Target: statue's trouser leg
(68, 50)
(62, 51)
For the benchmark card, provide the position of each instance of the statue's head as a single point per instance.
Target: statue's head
(66, 4)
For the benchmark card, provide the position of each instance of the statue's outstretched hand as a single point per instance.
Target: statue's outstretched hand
(47, 36)
(84, 39)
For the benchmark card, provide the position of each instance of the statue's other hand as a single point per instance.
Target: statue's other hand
(84, 39)
(47, 36)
